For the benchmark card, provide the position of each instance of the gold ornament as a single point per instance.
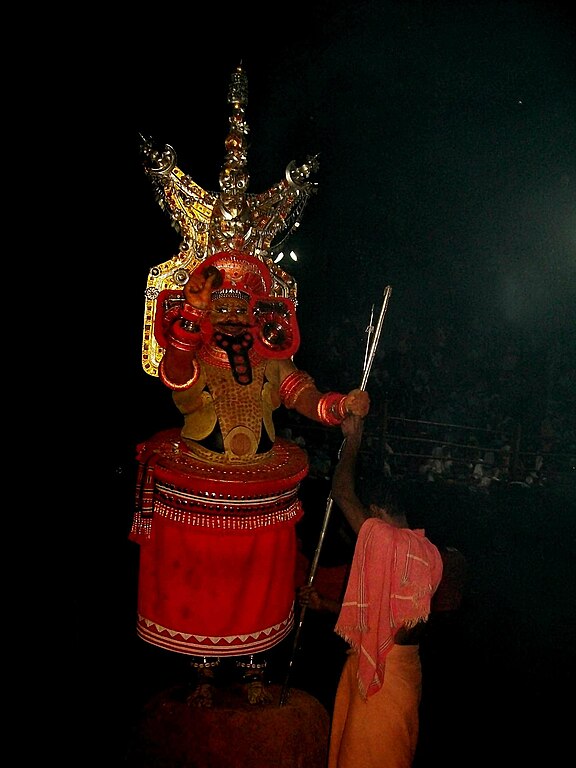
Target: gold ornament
(231, 220)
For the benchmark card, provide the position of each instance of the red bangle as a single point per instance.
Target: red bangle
(177, 387)
(331, 409)
(293, 386)
(184, 337)
(193, 314)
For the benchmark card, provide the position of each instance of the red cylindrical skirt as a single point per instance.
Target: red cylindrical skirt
(217, 548)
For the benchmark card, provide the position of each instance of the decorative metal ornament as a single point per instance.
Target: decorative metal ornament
(231, 220)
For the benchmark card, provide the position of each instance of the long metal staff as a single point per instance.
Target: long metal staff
(372, 344)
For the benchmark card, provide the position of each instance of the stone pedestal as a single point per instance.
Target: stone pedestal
(232, 734)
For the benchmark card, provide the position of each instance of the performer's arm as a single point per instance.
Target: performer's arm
(344, 478)
(178, 368)
(299, 392)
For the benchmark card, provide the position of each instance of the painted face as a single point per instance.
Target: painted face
(230, 315)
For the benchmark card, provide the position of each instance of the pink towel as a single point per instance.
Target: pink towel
(394, 573)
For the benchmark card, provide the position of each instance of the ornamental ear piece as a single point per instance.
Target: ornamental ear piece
(232, 223)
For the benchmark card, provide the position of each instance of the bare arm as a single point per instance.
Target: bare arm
(344, 479)
(308, 596)
(178, 367)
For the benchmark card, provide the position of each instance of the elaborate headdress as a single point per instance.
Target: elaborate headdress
(229, 221)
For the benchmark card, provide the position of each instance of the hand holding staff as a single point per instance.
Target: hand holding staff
(372, 344)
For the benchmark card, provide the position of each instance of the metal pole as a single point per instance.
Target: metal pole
(377, 332)
(369, 331)
(368, 360)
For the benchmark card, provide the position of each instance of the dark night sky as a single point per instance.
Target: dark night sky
(447, 141)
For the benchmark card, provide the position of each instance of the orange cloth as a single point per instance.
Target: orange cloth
(382, 731)
(393, 576)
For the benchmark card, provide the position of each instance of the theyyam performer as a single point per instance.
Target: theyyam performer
(217, 500)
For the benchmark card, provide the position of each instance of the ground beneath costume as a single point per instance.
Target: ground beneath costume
(217, 501)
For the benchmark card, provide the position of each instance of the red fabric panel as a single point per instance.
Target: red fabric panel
(217, 588)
